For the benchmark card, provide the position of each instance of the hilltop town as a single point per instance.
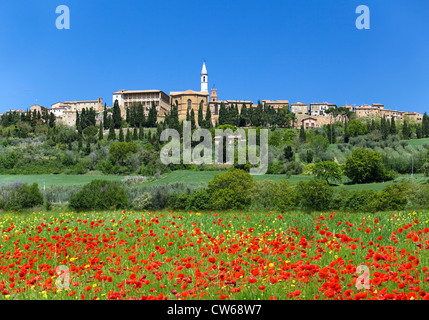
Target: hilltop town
(312, 115)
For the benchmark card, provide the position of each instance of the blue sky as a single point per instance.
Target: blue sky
(306, 50)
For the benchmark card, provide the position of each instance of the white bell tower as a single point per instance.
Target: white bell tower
(204, 79)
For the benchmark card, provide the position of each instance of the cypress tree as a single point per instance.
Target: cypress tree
(425, 125)
(392, 126)
(384, 128)
(406, 130)
(128, 137)
(302, 135)
(100, 131)
(127, 116)
(152, 117)
(419, 131)
(117, 119)
(208, 120)
(222, 114)
(88, 148)
(52, 119)
(141, 132)
(188, 116)
(243, 116)
(77, 120)
(121, 135)
(106, 124)
(112, 134)
(346, 132)
(193, 125)
(80, 145)
(200, 116)
(135, 134)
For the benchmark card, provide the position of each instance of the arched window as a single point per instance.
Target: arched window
(177, 103)
(204, 79)
(189, 104)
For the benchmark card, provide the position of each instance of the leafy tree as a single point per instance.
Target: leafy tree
(365, 166)
(319, 144)
(328, 170)
(119, 151)
(356, 128)
(90, 133)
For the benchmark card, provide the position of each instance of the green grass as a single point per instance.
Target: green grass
(56, 180)
(192, 177)
(200, 177)
(417, 142)
(203, 177)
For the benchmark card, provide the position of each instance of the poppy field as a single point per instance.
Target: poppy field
(214, 256)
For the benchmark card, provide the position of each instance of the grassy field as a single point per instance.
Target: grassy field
(214, 256)
(417, 142)
(191, 177)
(56, 180)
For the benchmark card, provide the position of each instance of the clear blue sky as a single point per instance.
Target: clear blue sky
(306, 50)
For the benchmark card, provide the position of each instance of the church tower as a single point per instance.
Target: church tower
(204, 79)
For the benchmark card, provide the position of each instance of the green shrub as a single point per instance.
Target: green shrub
(178, 201)
(263, 195)
(269, 195)
(199, 200)
(100, 195)
(9, 160)
(315, 194)
(142, 202)
(230, 190)
(285, 196)
(394, 197)
(354, 201)
(23, 197)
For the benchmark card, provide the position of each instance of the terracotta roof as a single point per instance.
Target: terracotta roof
(188, 92)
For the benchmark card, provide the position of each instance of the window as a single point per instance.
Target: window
(189, 104)
(177, 103)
